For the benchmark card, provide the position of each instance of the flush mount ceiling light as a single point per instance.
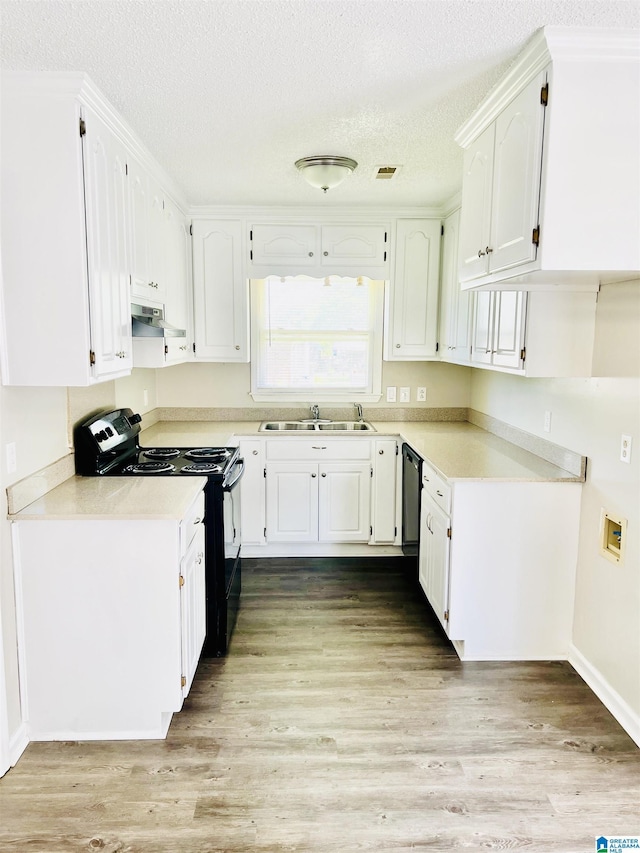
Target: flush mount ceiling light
(325, 173)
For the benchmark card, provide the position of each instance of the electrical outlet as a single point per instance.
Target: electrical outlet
(145, 397)
(12, 458)
(547, 421)
(421, 394)
(405, 395)
(625, 449)
(391, 394)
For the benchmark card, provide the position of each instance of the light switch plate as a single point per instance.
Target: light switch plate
(391, 394)
(12, 458)
(405, 395)
(547, 421)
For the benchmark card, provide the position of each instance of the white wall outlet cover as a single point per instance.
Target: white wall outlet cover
(391, 394)
(421, 394)
(12, 457)
(547, 421)
(625, 449)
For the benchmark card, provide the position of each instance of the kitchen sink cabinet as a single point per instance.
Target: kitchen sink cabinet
(500, 584)
(220, 291)
(66, 306)
(411, 297)
(454, 328)
(111, 623)
(543, 169)
(319, 248)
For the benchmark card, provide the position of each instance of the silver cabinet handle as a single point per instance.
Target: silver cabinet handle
(237, 346)
(488, 250)
(323, 474)
(310, 254)
(397, 346)
(255, 452)
(197, 520)
(326, 254)
(481, 254)
(438, 492)
(381, 452)
(315, 447)
(314, 475)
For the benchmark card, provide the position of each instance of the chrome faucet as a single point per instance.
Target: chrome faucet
(359, 411)
(315, 412)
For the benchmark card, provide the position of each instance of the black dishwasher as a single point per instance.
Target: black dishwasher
(411, 488)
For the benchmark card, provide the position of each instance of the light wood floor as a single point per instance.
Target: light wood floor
(341, 721)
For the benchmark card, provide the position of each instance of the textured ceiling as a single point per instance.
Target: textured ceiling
(227, 94)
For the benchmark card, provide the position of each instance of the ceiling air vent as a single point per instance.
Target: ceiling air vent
(386, 173)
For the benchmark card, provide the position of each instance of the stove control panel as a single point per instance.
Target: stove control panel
(104, 434)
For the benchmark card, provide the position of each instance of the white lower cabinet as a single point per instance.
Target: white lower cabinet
(318, 502)
(252, 497)
(111, 623)
(497, 564)
(433, 565)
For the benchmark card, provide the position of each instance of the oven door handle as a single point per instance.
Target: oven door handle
(228, 485)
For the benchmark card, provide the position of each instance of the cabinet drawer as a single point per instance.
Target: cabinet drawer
(318, 449)
(438, 488)
(190, 524)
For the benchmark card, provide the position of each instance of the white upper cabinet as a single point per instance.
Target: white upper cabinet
(541, 333)
(549, 154)
(454, 327)
(220, 291)
(148, 243)
(411, 297)
(64, 234)
(500, 188)
(318, 248)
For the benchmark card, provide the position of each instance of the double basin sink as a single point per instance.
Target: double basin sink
(312, 426)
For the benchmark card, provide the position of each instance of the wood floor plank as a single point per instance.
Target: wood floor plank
(341, 721)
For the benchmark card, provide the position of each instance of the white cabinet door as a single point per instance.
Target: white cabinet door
(454, 336)
(344, 500)
(433, 566)
(287, 246)
(509, 326)
(157, 241)
(140, 248)
(411, 309)
(499, 328)
(482, 340)
(383, 495)
(516, 179)
(192, 608)
(220, 292)
(107, 226)
(177, 242)
(475, 222)
(252, 492)
(292, 502)
(354, 246)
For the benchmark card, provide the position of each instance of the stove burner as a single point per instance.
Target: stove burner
(211, 454)
(201, 468)
(161, 453)
(150, 468)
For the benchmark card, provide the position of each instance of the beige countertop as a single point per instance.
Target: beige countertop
(114, 498)
(458, 450)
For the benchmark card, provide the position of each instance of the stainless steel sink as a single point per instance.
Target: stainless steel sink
(312, 426)
(285, 426)
(348, 425)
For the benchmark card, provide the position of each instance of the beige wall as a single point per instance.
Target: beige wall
(589, 416)
(228, 385)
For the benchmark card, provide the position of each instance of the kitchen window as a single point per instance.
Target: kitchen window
(316, 339)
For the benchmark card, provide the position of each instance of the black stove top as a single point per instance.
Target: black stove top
(108, 444)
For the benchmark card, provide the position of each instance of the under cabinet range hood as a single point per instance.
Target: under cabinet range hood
(149, 322)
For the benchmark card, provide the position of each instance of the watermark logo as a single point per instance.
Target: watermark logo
(617, 843)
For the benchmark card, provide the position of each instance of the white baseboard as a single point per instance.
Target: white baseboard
(610, 698)
(300, 549)
(18, 742)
